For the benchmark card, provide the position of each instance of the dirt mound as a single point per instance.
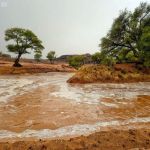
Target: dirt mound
(100, 73)
(104, 140)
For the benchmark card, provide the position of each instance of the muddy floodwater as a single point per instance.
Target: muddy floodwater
(45, 106)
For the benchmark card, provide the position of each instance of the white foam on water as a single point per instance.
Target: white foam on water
(88, 93)
(17, 85)
(93, 93)
(110, 104)
(74, 130)
(12, 87)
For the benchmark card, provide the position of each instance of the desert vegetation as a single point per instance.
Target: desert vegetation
(23, 40)
(51, 56)
(38, 55)
(119, 73)
(76, 61)
(127, 42)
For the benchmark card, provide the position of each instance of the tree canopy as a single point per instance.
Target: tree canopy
(97, 57)
(23, 40)
(77, 61)
(130, 33)
(51, 56)
(38, 55)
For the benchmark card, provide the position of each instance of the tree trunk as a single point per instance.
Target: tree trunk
(17, 64)
(51, 62)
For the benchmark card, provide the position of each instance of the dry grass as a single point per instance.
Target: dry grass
(101, 73)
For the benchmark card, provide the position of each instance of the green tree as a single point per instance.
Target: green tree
(145, 46)
(51, 56)
(97, 57)
(128, 33)
(23, 40)
(76, 61)
(38, 55)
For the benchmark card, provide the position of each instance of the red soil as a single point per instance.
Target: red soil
(29, 68)
(137, 139)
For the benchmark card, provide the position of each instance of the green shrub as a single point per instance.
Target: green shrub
(76, 61)
(97, 57)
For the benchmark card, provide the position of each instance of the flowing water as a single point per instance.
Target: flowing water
(45, 106)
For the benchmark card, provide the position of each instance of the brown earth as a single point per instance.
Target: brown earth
(123, 137)
(135, 139)
(120, 73)
(30, 68)
(29, 111)
(108, 139)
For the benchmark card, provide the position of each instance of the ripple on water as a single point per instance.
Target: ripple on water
(74, 130)
(11, 87)
(16, 85)
(93, 93)
(88, 93)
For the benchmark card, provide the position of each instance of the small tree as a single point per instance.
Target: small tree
(101, 58)
(38, 55)
(23, 40)
(97, 57)
(76, 61)
(51, 56)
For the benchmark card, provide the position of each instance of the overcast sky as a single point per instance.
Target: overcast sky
(65, 26)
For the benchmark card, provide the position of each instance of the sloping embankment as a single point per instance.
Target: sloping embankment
(114, 139)
(121, 73)
(30, 68)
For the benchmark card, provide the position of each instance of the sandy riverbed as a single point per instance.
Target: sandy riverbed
(45, 107)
